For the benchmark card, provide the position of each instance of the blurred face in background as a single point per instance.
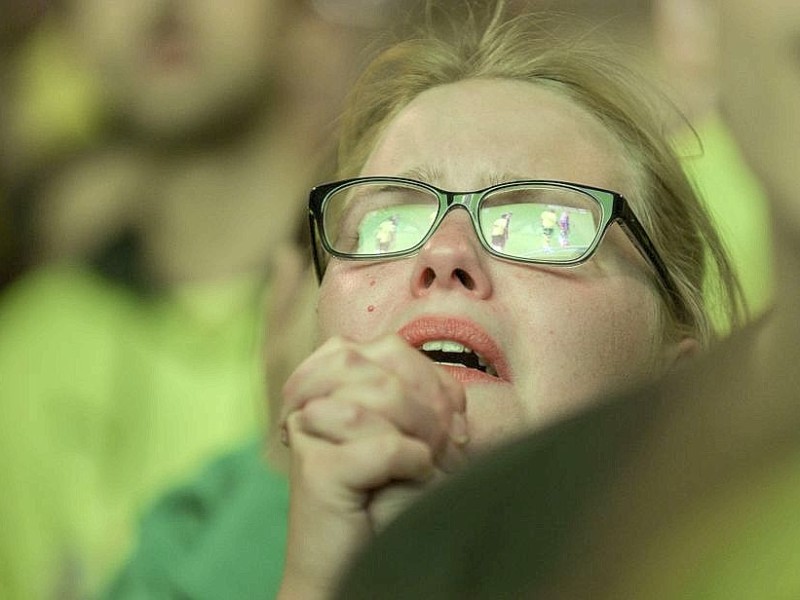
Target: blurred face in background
(174, 68)
(760, 71)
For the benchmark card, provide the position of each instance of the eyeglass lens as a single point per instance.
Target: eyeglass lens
(541, 222)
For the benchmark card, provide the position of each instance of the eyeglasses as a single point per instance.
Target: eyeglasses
(533, 222)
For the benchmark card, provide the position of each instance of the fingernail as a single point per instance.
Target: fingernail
(459, 432)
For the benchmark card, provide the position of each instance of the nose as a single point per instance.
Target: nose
(452, 259)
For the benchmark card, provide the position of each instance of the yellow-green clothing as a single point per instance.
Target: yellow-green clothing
(109, 396)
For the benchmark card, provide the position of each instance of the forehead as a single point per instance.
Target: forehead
(475, 132)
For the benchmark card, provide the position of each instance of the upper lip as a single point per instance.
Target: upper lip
(463, 330)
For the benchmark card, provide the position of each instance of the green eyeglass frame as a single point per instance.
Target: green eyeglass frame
(614, 208)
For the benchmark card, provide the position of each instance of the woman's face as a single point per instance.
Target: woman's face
(556, 336)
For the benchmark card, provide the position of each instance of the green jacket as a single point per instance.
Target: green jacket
(220, 536)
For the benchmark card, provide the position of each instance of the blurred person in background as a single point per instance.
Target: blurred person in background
(133, 350)
(684, 490)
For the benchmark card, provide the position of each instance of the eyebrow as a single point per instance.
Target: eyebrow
(495, 177)
(432, 174)
(426, 174)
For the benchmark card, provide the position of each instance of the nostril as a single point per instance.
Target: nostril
(465, 278)
(427, 278)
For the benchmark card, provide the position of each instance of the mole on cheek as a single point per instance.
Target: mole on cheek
(370, 308)
(372, 283)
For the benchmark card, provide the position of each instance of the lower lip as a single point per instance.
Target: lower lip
(465, 375)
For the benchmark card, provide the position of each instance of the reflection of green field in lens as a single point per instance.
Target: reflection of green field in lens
(526, 238)
(394, 228)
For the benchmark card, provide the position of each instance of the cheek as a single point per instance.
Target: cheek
(583, 338)
(612, 330)
(356, 301)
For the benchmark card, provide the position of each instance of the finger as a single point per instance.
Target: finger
(341, 370)
(379, 460)
(426, 381)
(403, 386)
(332, 364)
(394, 353)
(339, 361)
(338, 422)
(359, 465)
(388, 396)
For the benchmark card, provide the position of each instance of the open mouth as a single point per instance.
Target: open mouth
(448, 352)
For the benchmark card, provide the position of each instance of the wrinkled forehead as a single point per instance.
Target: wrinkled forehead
(479, 132)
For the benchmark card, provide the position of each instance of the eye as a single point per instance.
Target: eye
(549, 224)
(378, 218)
(395, 228)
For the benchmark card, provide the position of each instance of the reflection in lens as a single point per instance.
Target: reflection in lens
(540, 223)
(378, 218)
(394, 229)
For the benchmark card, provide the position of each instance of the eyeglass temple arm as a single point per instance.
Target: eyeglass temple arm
(633, 228)
(315, 246)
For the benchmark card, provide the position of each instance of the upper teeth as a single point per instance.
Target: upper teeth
(445, 346)
(455, 347)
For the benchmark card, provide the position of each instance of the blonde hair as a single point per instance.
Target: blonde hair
(479, 40)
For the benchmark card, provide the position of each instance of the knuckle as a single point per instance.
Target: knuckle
(333, 409)
(351, 357)
(390, 385)
(293, 421)
(312, 410)
(441, 407)
(350, 415)
(389, 447)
